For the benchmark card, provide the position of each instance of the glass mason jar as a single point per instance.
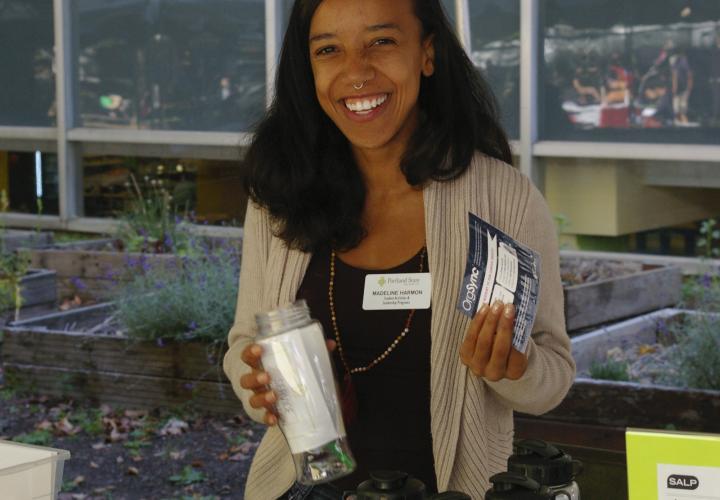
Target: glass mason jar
(295, 356)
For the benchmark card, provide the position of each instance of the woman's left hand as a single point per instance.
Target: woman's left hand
(487, 349)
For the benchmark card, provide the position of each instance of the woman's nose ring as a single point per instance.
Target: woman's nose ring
(358, 87)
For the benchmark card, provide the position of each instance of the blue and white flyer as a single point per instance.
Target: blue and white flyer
(500, 268)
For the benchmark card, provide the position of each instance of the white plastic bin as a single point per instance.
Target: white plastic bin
(30, 472)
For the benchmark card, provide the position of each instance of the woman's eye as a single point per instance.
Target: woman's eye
(384, 41)
(323, 51)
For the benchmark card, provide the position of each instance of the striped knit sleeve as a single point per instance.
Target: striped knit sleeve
(256, 240)
(551, 369)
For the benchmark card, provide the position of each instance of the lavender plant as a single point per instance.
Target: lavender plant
(192, 298)
(697, 351)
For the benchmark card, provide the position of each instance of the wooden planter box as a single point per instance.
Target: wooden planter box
(13, 239)
(608, 300)
(62, 354)
(626, 404)
(87, 268)
(39, 288)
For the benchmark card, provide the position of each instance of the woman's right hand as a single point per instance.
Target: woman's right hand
(257, 381)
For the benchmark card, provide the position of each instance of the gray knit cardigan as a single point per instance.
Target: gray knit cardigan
(471, 417)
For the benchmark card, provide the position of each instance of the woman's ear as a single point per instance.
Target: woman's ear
(428, 45)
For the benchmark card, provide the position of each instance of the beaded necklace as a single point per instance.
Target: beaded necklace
(349, 398)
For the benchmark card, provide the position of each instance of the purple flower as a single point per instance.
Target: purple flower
(77, 283)
(192, 326)
(189, 386)
(159, 342)
(706, 280)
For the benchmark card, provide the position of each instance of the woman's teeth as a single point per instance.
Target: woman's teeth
(364, 106)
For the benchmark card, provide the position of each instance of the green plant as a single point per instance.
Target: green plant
(188, 476)
(39, 437)
(193, 300)
(697, 354)
(152, 224)
(709, 240)
(610, 369)
(13, 267)
(89, 421)
(702, 292)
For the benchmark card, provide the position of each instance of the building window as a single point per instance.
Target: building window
(495, 38)
(29, 182)
(27, 78)
(642, 71)
(191, 65)
(208, 191)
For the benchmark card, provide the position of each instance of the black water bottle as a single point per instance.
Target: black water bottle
(397, 485)
(513, 486)
(547, 465)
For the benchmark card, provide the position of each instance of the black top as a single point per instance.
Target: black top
(392, 427)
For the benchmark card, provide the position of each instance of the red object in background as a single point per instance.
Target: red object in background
(614, 117)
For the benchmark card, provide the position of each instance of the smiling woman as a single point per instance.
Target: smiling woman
(381, 139)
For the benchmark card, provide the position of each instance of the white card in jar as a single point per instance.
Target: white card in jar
(301, 376)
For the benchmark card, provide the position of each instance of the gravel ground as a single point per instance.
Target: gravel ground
(132, 453)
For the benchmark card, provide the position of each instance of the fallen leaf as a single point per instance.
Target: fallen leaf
(116, 436)
(178, 455)
(105, 410)
(133, 471)
(93, 465)
(78, 480)
(103, 489)
(174, 427)
(119, 460)
(99, 446)
(239, 457)
(79, 496)
(66, 427)
(136, 413)
(44, 425)
(223, 456)
(247, 447)
(646, 349)
(197, 464)
(137, 458)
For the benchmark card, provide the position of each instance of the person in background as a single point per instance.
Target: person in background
(682, 84)
(715, 80)
(382, 137)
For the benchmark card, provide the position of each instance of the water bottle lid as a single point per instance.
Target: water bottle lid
(543, 462)
(391, 485)
(514, 486)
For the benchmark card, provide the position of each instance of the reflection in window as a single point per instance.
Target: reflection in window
(208, 191)
(30, 182)
(27, 79)
(641, 70)
(495, 36)
(161, 64)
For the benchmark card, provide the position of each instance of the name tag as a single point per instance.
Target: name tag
(397, 291)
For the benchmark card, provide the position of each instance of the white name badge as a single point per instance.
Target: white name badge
(397, 291)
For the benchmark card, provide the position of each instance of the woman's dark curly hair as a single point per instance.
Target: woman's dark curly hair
(300, 166)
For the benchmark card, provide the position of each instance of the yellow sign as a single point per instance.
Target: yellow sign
(668, 465)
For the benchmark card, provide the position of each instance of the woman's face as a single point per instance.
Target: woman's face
(377, 44)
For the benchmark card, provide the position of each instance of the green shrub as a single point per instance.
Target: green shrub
(38, 437)
(698, 351)
(610, 369)
(193, 300)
